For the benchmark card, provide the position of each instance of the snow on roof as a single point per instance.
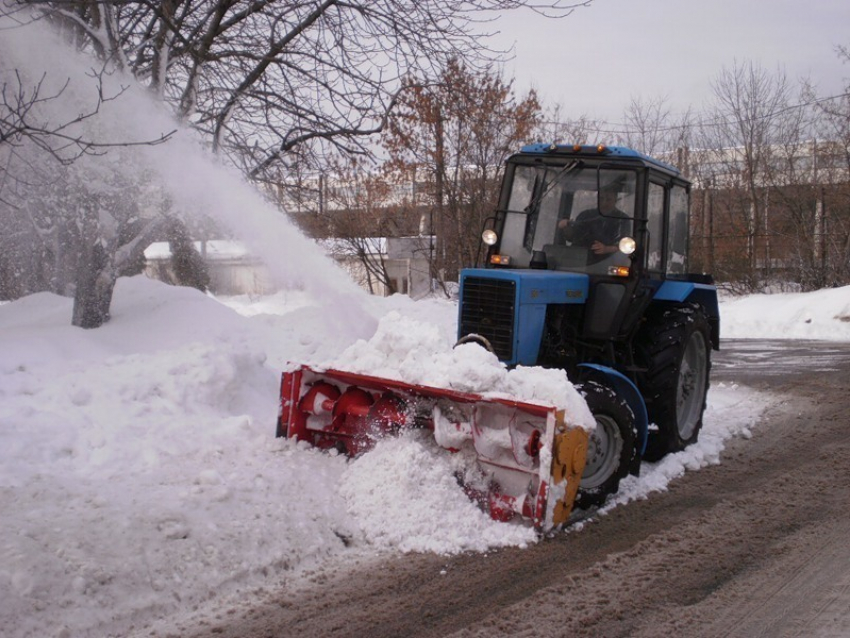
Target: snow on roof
(212, 249)
(343, 246)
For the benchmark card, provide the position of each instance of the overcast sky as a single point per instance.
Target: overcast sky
(600, 57)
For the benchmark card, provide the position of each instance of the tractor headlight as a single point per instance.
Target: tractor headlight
(489, 237)
(627, 245)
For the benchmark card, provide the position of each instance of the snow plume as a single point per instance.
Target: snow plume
(183, 177)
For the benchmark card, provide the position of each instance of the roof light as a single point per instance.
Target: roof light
(601, 148)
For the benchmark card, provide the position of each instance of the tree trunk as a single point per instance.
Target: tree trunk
(96, 277)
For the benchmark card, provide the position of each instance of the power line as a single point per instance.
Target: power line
(600, 125)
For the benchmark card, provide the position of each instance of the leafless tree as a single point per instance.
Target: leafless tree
(271, 83)
(557, 128)
(263, 78)
(353, 212)
(23, 123)
(52, 219)
(771, 176)
(832, 218)
(651, 127)
(741, 131)
(455, 135)
(647, 124)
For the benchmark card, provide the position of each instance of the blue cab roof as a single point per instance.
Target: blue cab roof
(591, 150)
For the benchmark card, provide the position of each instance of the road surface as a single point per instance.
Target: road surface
(756, 546)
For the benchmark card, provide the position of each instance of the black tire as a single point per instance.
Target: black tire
(612, 445)
(675, 347)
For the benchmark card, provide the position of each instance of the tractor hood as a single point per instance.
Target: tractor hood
(507, 308)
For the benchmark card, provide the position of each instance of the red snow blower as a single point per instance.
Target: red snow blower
(532, 459)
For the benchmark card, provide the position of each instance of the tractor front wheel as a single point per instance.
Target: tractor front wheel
(611, 447)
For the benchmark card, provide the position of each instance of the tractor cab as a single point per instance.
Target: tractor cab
(597, 210)
(608, 220)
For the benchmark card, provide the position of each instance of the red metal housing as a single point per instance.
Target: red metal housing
(532, 458)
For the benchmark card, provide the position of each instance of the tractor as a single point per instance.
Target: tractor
(586, 270)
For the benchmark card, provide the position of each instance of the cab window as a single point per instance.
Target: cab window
(655, 226)
(677, 241)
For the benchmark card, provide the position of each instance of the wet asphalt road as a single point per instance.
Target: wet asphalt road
(746, 361)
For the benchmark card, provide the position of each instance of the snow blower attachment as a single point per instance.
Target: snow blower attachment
(533, 459)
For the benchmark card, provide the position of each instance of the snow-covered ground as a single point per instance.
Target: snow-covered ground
(139, 473)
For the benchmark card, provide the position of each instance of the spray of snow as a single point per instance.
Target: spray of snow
(186, 174)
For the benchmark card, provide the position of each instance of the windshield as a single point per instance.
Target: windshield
(575, 216)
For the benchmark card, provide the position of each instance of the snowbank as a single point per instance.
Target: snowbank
(139, 474)
(822, 315)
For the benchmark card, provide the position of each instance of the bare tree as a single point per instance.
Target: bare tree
(456, 134)
(23, 123)
(648, 122)
(263, 79)
(268, 83)
(651, 127)
(743, 128)
(557, 128)
(354, 214)
(832, 207)
(54, 214)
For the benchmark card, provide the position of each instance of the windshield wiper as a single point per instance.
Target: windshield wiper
(533, 209)
(534, 204)
(536, 199)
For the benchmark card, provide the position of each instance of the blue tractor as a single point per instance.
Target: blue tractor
(587, 270)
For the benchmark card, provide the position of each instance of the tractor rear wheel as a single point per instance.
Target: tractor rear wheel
(675, 345)
(611, 447)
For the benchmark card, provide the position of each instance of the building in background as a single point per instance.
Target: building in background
(380, 265)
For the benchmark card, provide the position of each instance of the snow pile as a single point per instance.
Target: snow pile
(136, 478)
(732, 411)
(414, 352)
(139, 474)
(402, 493)
(822, 315)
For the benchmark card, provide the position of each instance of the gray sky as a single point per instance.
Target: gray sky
(596, 60)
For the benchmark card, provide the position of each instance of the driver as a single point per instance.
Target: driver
(599, 229)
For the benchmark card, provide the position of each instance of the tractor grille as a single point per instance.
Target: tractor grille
(487, 309)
